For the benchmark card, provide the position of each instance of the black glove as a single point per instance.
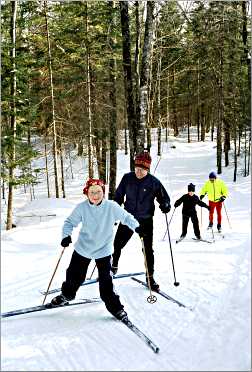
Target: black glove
(165, 208)
(176, 205)
(66, 241)
(201, 197)
(140, 230)
(222, 198)
(208, 208)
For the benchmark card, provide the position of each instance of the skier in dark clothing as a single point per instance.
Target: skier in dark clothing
(190, 200)
(137, 191)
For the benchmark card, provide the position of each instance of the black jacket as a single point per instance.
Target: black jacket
(140, 195)
(189, 203)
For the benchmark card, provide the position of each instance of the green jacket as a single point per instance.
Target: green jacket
(214, 190)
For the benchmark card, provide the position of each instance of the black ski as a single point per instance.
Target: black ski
(165, 295)
(140, 334)
(48, 306)
(203, 240)
(91, 281)
(179, 240)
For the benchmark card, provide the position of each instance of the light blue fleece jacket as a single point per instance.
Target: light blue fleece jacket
(96, 236)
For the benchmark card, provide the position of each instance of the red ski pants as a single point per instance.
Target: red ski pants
(218, 206)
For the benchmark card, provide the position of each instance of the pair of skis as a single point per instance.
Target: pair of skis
(195, 239)
(127, 322)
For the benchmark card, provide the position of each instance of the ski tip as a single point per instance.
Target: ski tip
(156, 350)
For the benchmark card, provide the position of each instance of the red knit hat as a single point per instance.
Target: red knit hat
(143, 160)
(92, 182)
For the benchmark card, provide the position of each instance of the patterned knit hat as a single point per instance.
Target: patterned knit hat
(212, 175)
(191, 187)
(92, 182)
(143, 160)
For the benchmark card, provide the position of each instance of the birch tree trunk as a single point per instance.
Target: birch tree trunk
(13, 123)
(128, 83)
(55, 149)
(144, 73)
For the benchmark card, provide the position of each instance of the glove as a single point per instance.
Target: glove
(176, 205)
(222, 198)
(208, 208)
(201, 197)
(165, 208)
(139, 230)
(66, 241)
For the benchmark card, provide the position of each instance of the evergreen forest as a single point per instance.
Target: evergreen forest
(97, 76)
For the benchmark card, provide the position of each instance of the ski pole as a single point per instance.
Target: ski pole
(227, 216)
(92, 272)
(151, 298)
(169, 222)
(53, 274)
(175, 281)
(201, 217)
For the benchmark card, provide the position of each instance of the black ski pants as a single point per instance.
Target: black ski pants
(76, 275)
(123, 235)
(195, 222)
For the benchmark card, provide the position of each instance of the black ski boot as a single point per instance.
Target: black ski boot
(154, 286)
(198, 237)
(219, 228)
(210, 225)
(59, 300)
(121, 315)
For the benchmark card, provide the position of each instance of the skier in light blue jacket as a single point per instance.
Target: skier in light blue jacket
(95, 241)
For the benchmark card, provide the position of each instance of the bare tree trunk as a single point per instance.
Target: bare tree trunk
(70, 161)
(202, 122)
(235, 152)
(90, 145)
(198, 102)
(174, 108)
(249, 149)
(113, 112)
(167, 110)
(128, 83)
(62, 164)
(46, 169)
(13, 123)
(144, 74)
(220, 118)
(245, 152)
(55, 150)
(159, 103)
(136, 64)
(226, 141)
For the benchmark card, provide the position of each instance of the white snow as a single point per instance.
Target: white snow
(214, 279)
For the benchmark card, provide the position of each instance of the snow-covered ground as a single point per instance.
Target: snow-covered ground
(214, 280)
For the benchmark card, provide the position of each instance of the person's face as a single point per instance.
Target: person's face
(95, 194)
(140, 172)
(191, 193)
(212, 179)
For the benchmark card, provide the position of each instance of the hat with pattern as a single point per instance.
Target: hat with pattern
(93, 182)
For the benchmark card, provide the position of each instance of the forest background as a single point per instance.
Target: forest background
(78, 74)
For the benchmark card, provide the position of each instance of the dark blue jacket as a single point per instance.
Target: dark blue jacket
(140, 195)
